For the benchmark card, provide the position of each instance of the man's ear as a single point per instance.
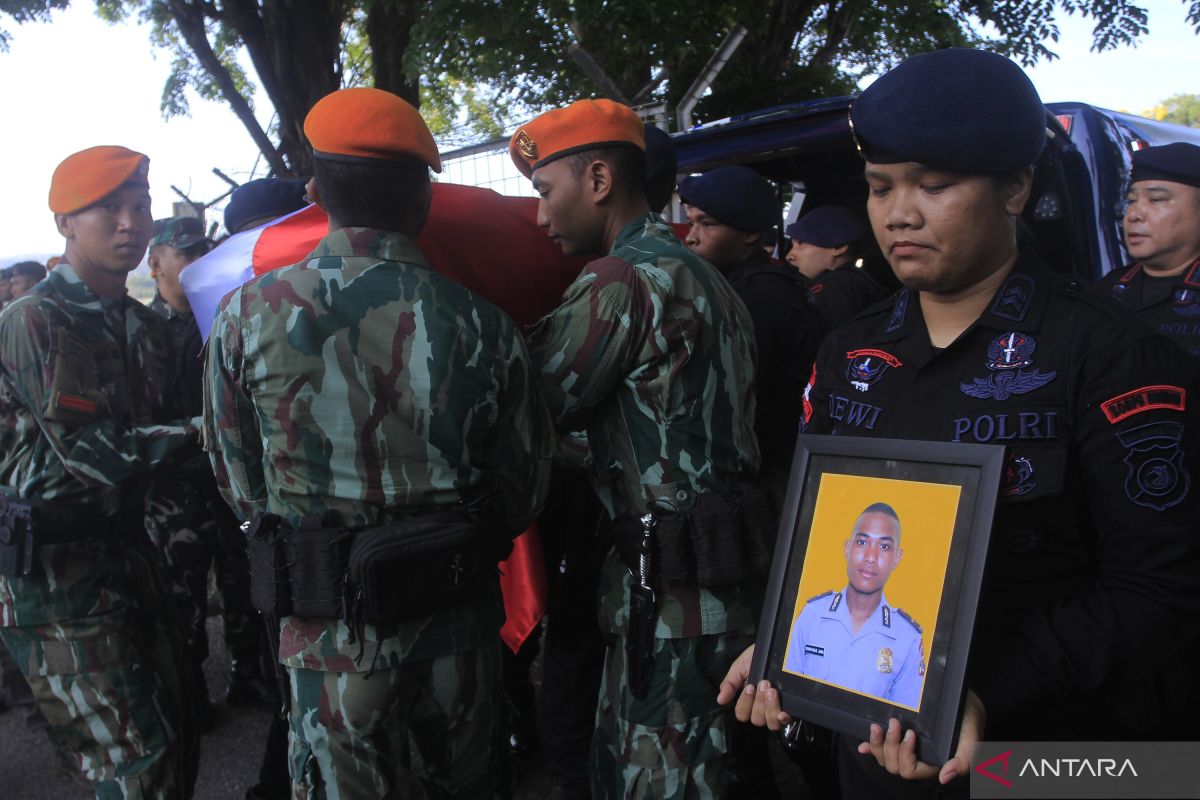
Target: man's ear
(599, 177)
(63, 223)
(310, 189)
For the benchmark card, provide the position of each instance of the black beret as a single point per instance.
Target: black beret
(737, 196)
(265, 197)
(959, 110)
(660, 153)
(1178, 163)
(827, 226)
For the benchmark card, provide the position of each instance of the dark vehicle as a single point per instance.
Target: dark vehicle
(1073, 218)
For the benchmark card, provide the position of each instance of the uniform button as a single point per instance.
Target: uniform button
(1073, 287)
(681, 495)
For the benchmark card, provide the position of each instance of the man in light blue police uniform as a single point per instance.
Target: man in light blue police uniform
(854, 638)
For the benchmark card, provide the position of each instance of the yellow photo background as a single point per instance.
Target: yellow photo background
(927, 512)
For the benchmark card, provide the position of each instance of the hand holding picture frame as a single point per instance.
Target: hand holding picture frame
(869, 523)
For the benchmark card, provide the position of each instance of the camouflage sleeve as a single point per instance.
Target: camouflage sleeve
(523, 448)
(230, 429)
(94, 449)
(583, 346)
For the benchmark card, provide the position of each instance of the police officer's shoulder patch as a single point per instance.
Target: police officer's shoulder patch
(911, 621)
(818, 597)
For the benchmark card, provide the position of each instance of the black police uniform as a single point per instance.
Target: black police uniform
(841, 293)
(1170, 305)
(1091, 580)
(787, 332)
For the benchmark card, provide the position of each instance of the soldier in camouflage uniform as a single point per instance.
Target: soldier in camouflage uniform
(362, 382)
(652, 353)
(187, 519)
(84, 375)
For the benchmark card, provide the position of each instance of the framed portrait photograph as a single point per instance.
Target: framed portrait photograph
(871, 599)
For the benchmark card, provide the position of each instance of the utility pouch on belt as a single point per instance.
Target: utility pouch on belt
(16, 538)
(411, 568)
(719, 542)
(270, 593)
(318, 554)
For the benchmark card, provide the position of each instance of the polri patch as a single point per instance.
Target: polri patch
(1147, 398)
(1157, 478)
(864, 367)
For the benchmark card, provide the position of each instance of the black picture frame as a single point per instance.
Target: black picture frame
(977, 470)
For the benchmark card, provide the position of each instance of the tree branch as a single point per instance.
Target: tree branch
(190, 20)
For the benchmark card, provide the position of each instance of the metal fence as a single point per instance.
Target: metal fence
(486, 165)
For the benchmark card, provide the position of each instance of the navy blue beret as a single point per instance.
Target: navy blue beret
(660, 153)
(959, 110)
(265, 197)
(737, 196)
(1178, 163)
(827, 226)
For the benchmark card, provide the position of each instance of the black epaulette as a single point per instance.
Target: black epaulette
(911, 621)
(822, 594)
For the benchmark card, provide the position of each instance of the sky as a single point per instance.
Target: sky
(78, 81)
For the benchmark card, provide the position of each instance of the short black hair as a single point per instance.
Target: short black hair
(886, 510)
(30, 269)
(628, 165)
(387, 195)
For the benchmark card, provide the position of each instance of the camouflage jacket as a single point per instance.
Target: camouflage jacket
(652, 353)
(84, 415)
(187, 346)
(363, 382)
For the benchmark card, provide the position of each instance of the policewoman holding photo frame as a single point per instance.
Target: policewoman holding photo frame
(1090, 589)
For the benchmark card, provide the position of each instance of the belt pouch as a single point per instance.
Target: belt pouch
(317, 559)
(716, 542)
(676, 563)
(412, 568)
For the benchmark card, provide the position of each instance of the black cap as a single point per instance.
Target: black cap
(660, 153)
(1178, 163)
(959, 110)
(827, 226)
(265, 197)
(737, 196)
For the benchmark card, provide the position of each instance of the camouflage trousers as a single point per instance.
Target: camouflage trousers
(193, 537)
(350, 730)
(672, 743)
(109, 687)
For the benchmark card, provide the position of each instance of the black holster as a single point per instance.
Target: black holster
(16, 538)
(721, 541)
(270, 593)
(26, 525)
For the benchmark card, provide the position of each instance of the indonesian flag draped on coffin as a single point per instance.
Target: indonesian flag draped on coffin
(483, 240)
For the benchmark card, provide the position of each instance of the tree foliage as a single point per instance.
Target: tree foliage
(476, 67)
(1181, 109)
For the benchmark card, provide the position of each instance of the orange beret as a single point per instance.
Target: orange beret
(583, 125)
(354, 124)
(91, 175)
